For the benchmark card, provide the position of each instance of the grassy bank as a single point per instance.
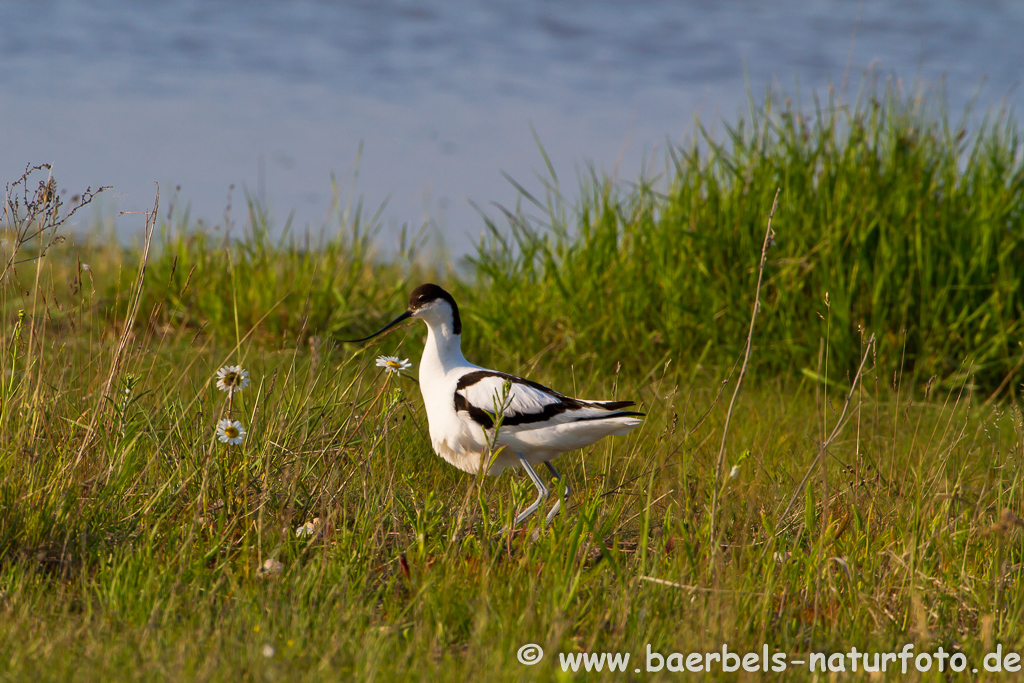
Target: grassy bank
(911, 224)
(135, 545)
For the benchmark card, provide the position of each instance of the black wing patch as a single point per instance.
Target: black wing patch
(478, 415)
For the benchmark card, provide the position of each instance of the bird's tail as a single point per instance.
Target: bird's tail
(612, 405)
(613, 415)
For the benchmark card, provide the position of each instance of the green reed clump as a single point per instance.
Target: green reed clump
(913, 227)
(226, 281)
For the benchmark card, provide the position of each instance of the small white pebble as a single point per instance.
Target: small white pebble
(310, 529)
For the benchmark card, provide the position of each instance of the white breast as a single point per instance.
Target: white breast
(458, 441)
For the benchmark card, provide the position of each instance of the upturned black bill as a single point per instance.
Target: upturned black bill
(404, 316)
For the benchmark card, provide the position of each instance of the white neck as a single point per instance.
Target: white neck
(442, 351)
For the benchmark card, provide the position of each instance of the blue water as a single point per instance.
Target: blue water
(275, 97)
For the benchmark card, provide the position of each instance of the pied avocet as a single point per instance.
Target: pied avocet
(463, 401)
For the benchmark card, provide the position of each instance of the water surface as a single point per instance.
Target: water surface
(274, 97)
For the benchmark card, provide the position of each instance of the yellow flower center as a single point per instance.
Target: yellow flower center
(231, 432)
(394, 364)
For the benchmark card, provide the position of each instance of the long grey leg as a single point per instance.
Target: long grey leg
(558, 499)
(542, 493)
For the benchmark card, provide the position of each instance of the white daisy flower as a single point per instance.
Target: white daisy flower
(232, 378)
(230, 432)
(393, 364)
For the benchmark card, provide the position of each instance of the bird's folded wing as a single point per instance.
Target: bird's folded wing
(482, 395)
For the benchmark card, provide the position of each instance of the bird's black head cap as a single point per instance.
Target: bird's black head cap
(429, 292)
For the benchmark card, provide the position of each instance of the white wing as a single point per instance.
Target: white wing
(488, 393)
(526, 404)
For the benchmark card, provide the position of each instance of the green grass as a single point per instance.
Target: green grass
(131, 540)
